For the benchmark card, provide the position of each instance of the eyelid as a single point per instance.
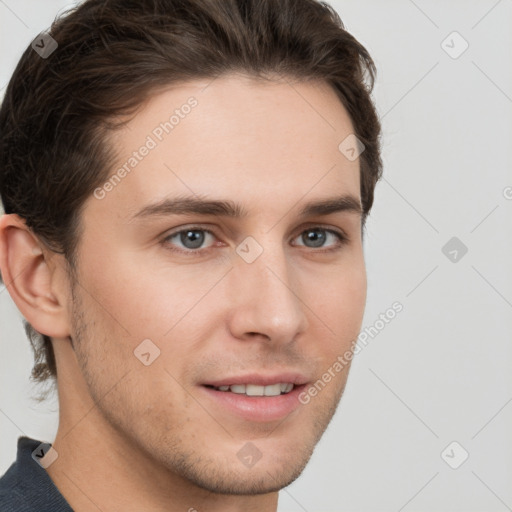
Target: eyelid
(327, 227)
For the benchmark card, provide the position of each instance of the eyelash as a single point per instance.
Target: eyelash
(342, 240)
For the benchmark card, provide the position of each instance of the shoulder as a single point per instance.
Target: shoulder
(11, 501)
(26, 486)
(11, 497)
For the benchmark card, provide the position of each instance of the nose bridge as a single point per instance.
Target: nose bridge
(266, 296)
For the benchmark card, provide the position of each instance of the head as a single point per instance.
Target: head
(145, 105)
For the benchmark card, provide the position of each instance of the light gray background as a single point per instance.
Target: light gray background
(440, 371)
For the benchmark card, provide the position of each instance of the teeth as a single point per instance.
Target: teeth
(253, 390)
(256, 390)
(272, 390)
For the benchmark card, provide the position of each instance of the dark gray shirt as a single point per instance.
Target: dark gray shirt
(27, 487)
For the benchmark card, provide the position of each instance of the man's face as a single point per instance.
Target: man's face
(223, 309)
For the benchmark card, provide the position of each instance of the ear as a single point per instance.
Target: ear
(35, 277)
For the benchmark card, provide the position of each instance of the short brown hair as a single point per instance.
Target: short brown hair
(111, 56)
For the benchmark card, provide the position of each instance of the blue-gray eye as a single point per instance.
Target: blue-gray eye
(312, 235)
(192, 238)
(317, 237)
(189, 240)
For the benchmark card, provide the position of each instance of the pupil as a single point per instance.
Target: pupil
(192, 239)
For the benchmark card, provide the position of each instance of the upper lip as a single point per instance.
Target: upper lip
(260, 379)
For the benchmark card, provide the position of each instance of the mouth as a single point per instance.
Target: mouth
(281, 388)
(256, 398)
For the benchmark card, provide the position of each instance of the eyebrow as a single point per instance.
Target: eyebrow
(226, 208)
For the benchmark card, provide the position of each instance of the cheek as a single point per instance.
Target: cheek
(145, 299)
(341, 296)
(338, 307)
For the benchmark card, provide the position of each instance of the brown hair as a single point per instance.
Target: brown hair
(112, 54)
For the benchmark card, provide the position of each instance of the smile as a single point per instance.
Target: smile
(280, 388)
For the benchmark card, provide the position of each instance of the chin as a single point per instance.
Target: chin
(252, 482)
(230, 478)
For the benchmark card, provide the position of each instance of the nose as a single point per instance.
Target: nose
(267, 299)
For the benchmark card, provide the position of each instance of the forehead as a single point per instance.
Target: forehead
(267, 144)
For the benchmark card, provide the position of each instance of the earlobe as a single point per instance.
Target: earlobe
(34, 284)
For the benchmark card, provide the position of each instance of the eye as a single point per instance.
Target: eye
(192, 238)
(317, 237)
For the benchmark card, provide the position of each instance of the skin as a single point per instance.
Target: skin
(133, 437)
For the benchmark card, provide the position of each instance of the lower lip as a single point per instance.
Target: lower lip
(257, 408)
